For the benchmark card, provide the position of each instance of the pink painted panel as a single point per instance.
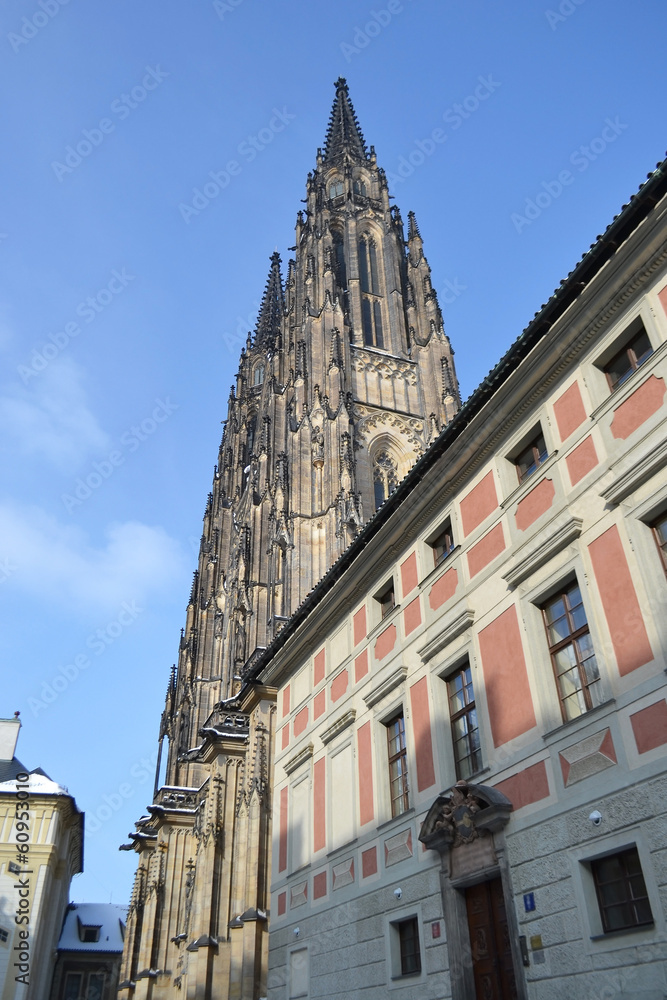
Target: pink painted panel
(569, 411)
(385, 642)
(365, 763)
(319, 704)
(319, 669)
(369, 862)
(534, 504)
(359, 625)
(361, 666)
(412, 616)
(486, 550)
(282, 903)
(443, 589)
(421, 724)
(339, 685)
(319, 805)
(638, 407)
(649, 725)
(662, 295)
(319, 885)
(619, 600)
(508, 694)
(479, 503)
(409, 579)
(285, 736)
(286, 700)
(582, 460)
(300, 721)
(527, 786)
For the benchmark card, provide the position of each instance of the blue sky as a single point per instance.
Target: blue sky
(122, 311)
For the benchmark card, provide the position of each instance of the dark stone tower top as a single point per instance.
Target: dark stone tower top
(344, 136)
(347, 378)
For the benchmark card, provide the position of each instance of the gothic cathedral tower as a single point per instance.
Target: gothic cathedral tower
(347, 379)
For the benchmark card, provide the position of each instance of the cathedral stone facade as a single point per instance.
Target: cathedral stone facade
(348, 378)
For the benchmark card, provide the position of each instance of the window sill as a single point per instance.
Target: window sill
(343, 848)
(530, 481)
(610, 935)
(442, 565)
(554, 734)
(395, 820)
(621, 392)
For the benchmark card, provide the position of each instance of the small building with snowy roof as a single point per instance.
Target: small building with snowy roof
(89, 952)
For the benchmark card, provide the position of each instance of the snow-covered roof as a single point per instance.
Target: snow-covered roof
(108, 917)
(38, 782)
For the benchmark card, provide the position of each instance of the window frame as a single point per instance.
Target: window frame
(661, 546)
(628, 899)
(539, 457)
(402, 777)
(560, 593)
(468, 707)
(628, 339)
(445, 530)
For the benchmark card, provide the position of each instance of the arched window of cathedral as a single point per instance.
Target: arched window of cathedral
(368, 266)
(385, 477)
(251, 430)
(371, 319)
(339, 259)
(360, 188)
(336, 188)
(258, 375)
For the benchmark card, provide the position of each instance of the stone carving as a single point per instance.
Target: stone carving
(458, 814)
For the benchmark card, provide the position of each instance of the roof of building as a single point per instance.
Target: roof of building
(109, 918)
(38, 782)
(571, 287)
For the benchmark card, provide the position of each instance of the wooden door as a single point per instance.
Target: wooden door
(490, 942)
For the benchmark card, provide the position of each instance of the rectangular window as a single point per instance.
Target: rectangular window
(408, 936)
(531, 456)
(660, 535)
(443, 543)
(73, 984)
(387, 601)
(398, 765)
(463, 719)
(4, 934)
(634, 353)
(95, 989)
(621, 891)
(572, 653)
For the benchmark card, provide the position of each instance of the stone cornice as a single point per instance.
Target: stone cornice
(562, 530)
(453, 626)
(340, 724)
(386, 686)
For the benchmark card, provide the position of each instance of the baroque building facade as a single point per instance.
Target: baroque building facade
(471, 745)
(346, 381)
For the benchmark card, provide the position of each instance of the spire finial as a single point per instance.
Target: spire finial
(413, 228)
(343, 134)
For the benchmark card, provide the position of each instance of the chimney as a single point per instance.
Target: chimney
(9, 734)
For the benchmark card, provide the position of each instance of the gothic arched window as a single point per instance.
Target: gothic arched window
(368, 266)
(251, 430)
(258, 375)
(385, 477)
(371, 318)
(360, 188)
(339, 259)
(336, 188)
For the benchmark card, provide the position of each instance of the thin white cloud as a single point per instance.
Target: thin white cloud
(57, 564)
(49, 417)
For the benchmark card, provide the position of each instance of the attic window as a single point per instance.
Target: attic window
(89, 933)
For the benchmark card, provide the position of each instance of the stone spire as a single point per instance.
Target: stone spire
(270, 318)
(343, 134)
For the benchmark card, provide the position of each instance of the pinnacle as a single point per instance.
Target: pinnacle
(343, 134)
(413, 228)
(269, 320)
